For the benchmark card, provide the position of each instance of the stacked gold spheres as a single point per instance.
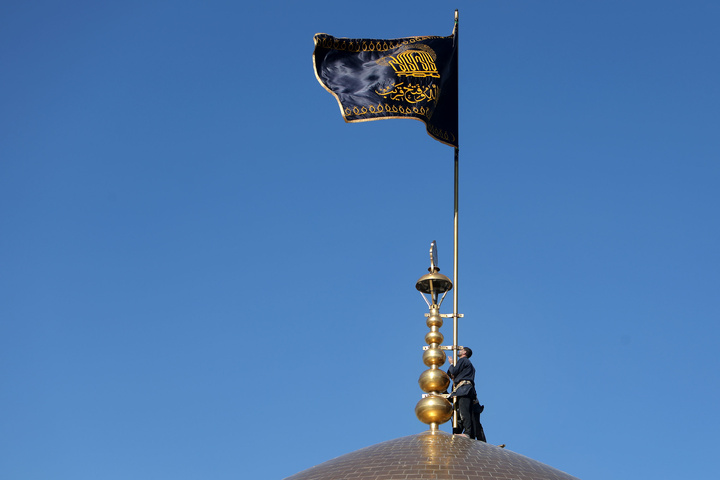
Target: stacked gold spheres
(434, 409)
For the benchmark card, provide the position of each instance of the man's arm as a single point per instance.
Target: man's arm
(453, 369)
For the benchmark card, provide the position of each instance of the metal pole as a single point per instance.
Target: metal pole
(455, 243)
(455, 226)
(455, 286)
(455, 260)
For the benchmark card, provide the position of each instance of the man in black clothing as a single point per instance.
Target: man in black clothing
(463, 375)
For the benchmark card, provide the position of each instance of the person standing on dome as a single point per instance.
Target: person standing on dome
(463, 375)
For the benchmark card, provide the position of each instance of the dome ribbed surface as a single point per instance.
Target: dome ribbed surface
(427, 456)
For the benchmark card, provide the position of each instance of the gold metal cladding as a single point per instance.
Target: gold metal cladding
(444, 347)
(434, 320)
(434, 283)
(434, 380)
(433, 409)
(434, 357)
(438, 455)
(434, 337)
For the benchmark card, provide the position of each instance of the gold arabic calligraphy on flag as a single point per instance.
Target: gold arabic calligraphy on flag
(411, 62)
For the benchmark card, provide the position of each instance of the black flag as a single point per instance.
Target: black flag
(414, 77)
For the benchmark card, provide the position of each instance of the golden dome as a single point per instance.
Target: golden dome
(438, 455)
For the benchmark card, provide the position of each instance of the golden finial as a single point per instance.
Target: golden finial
(434, 408)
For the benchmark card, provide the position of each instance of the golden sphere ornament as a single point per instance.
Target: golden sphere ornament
(434, 337)
(434, 380)
(433, 356)
(433, 409)
(434, 320)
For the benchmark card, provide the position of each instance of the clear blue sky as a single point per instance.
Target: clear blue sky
(206, 273)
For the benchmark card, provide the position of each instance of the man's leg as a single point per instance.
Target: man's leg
(476, 420)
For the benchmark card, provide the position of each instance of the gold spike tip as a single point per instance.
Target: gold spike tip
(434, 356)
(434, 380)
(433, 409)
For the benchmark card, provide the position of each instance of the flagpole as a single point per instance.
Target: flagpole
(455, 231)
(455, 259)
